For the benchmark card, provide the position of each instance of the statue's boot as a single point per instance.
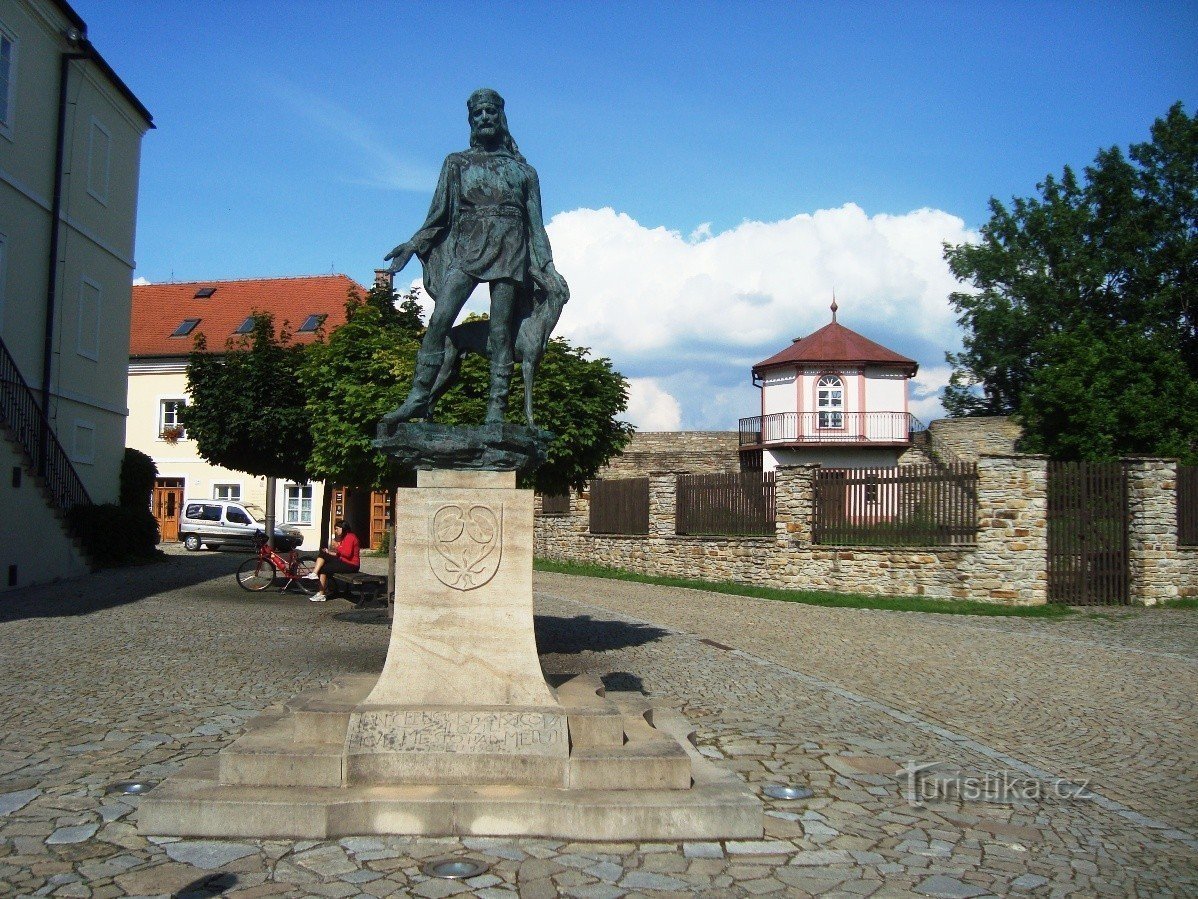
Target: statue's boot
(416, 404)
(501, 382)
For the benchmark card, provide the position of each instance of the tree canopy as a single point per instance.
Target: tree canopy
(1081, 320)
(364, 369)
(246, 406)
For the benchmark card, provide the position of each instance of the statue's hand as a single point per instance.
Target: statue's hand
(400, 257)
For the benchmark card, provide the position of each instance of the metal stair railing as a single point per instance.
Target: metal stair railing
(20, 412)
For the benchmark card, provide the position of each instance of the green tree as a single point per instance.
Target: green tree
(351, 381)
(246, 408)
(1081, 320)
(364, 371)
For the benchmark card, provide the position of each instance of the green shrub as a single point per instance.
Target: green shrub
(115, 535)
(138, 472)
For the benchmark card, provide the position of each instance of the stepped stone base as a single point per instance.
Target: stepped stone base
(631, 774)
(460, 733)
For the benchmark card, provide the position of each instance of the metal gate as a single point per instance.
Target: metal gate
(1087, 533)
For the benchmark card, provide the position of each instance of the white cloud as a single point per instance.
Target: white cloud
(924, 392)
(141, 282)
(381, 166)
(699, 310)
(650, 408)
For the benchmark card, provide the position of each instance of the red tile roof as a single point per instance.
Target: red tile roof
(158, 309)
(836, 343)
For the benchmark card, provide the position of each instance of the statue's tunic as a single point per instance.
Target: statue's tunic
(485, 220)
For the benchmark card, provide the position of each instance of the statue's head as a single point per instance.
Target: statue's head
(488, 121)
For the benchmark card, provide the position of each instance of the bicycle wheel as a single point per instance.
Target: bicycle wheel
(302, 567)
(255, 574)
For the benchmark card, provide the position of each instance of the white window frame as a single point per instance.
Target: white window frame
(89, 329)
(174, 413)
(827, 403)
(10, 98)
(297, 515)
(97, 182)
(232, 492)
(79, 455)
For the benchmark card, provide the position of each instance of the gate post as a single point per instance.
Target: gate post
(1010, 562)
(663, 503)
(1153, 558)
(794, 499)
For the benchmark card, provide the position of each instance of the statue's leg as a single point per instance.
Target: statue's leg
(499, 348)
(455, 290)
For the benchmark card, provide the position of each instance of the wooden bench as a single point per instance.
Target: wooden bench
(360, 588)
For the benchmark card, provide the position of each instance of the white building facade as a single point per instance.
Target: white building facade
(70, 151)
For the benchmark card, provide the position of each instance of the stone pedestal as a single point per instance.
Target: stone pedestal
(461, 698)
(460, 734)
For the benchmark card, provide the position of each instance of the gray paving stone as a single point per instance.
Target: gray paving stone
(702, 850)
(945, 887)
(208, 854)
(11, 802)
(73, 834)
(647, 880)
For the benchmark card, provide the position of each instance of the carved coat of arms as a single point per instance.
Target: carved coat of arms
(465, 544)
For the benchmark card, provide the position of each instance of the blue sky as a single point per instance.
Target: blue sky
(712, 170)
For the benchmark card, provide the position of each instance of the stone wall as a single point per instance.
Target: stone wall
(1160, 569)
(693, 451)
(969, 438)
(1008, 563)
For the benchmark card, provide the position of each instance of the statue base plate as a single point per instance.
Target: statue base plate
(503, 446)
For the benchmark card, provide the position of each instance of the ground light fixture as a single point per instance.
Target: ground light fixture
(454, 868)
(787, 791)
(132, 787)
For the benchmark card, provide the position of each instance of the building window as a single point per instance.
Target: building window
(185, 327)
(231, 492)
(299, 504)
(829, 401)
(88, 339)
(247, 326)
(85, 442)
(8, 78)
(99, 150)
(311, 323)
(170, 422)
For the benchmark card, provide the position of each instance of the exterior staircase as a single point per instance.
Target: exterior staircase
(43, 459)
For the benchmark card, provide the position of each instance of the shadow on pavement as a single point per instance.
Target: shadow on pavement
(582, 633)
(113, 587)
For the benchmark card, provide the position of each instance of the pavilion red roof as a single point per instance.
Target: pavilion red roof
(836, 343)
(160, 309)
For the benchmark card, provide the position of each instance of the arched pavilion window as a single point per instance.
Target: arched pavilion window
(829, 400)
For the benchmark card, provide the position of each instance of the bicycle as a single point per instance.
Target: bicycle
(260, 571)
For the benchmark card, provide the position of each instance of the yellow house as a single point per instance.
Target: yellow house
(166, 320)
(70, 150)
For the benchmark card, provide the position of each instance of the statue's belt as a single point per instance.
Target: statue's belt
(503, 209)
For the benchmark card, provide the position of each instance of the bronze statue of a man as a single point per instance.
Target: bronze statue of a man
(484, 225)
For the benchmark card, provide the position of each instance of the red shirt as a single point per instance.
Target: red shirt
(348, 550)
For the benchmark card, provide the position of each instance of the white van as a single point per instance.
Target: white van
(217, 522)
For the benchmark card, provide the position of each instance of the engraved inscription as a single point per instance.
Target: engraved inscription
(524, 733)
(465, 544)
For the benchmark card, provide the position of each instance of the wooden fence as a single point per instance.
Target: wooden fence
(1187, 505)
(914, 505)
(620, 506)
(1088, 518)
(732, 503)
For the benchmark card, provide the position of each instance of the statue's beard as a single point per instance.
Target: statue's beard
(500, 137)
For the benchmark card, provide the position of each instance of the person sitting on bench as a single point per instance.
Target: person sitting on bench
(342, 557)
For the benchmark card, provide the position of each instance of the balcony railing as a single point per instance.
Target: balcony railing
(828, 427)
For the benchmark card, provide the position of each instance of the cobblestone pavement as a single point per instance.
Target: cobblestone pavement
(127, 674)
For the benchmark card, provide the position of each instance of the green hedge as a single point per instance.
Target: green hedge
(115, 535)
(138, 472)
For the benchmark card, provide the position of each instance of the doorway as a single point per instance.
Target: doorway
(168, 500)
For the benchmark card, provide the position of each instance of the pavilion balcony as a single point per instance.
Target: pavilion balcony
(856, 428)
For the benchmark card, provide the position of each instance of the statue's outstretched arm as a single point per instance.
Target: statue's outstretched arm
(440, 214)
